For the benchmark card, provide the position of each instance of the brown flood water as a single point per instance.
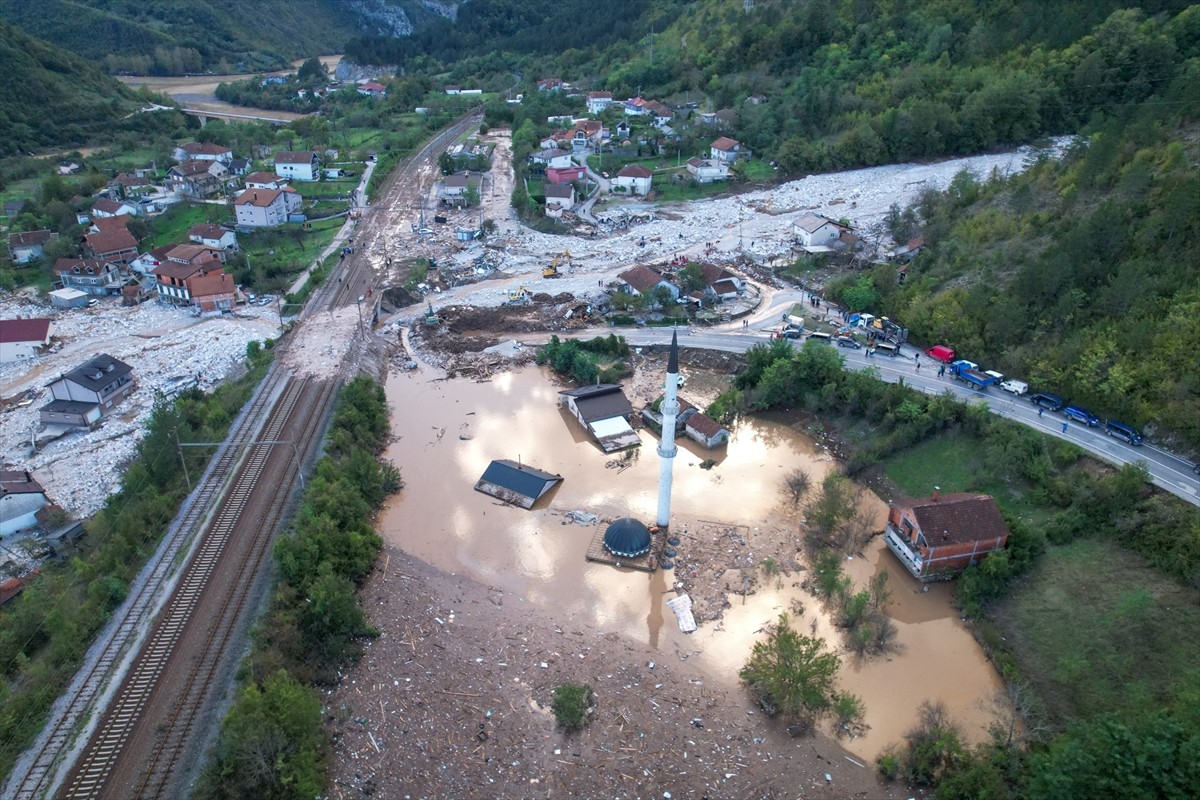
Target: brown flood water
(440, 518)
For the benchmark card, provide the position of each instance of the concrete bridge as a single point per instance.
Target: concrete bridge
(204, 115)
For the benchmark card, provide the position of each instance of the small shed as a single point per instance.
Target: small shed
(516, 483)
(68, 298)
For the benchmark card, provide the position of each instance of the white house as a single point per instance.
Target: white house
(201, 151)
(266, 208)
(559, 198)
(554, 157)
(88, 392)
(816, 231)
(265, 180)
(300, 166)
(706, 170)
(454, 187)
(642, 279)
(21, 497)
(633, 178)
(598, 101)
(727, 150)
(113, 208)
(213, 236)
(635, 107)
(21, 338)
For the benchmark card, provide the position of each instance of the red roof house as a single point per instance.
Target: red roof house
(939, 536)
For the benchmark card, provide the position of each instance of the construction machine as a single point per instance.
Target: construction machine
(552, 271)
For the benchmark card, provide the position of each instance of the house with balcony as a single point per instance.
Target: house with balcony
(266, 208)
(707, 170)
(89, 275)
(937, 537)
(598, 101)
(89, 392)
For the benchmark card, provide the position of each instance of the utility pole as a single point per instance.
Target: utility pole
(182, 460)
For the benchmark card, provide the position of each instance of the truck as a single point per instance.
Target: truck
(968, 372)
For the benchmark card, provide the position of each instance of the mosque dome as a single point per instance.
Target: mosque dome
(627, 538)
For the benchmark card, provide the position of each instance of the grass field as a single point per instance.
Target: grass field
(173, 226)
(1095, 630)
(955, 463)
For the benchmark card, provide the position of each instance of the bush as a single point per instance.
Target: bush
(792, 674)
(572, 704)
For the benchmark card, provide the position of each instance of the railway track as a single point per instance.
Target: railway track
(236, 546)
(35, 771)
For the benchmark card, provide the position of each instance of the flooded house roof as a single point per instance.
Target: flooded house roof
(957, 518)
(601, 401)
(515, 483)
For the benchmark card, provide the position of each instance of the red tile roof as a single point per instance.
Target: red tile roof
(207, 231)
(264, 177)
(957, 518)
(24, 330)
(725, 144)
(295, 157)
(634, 171)
(29, 238)
(704, 425)
(641, 277)
(110, 241)
(258, 197)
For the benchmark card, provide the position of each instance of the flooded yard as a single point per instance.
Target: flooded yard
(448, 431)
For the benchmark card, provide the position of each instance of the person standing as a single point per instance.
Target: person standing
(1064, 427)
(1041, 411)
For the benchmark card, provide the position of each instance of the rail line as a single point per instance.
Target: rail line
(125, 709)
(32, 774)
(170, 744)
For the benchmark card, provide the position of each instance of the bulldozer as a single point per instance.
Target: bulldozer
(552, 270)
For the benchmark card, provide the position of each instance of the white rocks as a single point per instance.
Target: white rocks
(167, 348)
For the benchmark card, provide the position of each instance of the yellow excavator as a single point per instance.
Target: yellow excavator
(552, 271)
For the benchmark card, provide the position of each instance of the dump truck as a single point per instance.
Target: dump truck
(968, 372)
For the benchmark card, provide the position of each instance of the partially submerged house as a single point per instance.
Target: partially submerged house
(939, 536)
(516, 483)
(605, 411)
(88, 392)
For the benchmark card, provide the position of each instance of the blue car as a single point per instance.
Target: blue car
(1081, 415)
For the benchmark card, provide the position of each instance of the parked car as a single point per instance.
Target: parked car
(820, 336)
(941, 352)
(1016, 387)
(1122, 431)
(1050, 402)
(791, 333)
(846, 341)
(1080, 414)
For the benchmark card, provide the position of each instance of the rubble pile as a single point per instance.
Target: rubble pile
(168, 348)
(319, 348)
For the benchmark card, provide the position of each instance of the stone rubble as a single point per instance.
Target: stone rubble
(161, 343)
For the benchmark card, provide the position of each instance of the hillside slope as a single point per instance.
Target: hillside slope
(172, 37)
(50, 97)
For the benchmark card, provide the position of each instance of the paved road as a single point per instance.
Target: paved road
(1167, 471)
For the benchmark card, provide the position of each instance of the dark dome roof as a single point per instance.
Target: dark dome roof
(627, 538)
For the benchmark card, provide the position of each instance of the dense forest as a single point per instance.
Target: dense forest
(50, 97)
(173, 37)
(840, 83)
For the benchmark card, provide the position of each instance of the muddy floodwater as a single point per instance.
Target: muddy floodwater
(448, 431)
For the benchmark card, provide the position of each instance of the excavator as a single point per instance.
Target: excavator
(552, 271)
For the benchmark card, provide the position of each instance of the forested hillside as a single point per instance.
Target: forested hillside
(50, 97)
(839, 83)
(173, 37)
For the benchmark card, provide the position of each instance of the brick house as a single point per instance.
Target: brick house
(88, 392)
(939, 536)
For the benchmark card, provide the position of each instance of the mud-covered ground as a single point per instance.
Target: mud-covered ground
(452, 701)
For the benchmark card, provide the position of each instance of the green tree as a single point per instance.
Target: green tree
(791, 674)
(312, 71)
(833, 507)
(271, 745)
(571, 704)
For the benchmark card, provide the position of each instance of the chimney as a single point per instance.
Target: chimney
(936, 491)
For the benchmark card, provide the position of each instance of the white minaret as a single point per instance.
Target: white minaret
(666, 445)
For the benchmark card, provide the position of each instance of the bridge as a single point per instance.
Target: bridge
(204, 115)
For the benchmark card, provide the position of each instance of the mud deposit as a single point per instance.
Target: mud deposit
(584, 621)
